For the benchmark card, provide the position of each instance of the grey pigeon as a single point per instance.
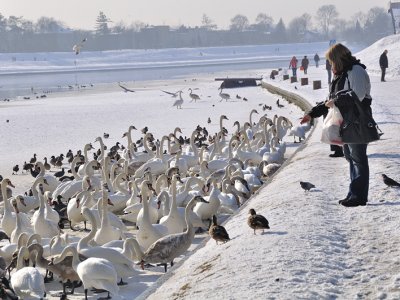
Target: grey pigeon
(389, 181)
(306, 185)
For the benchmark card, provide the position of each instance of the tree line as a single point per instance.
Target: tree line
(326, 24)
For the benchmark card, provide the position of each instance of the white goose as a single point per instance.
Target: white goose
(167, 248)
(8, 222)
(122, 264)
(94, 272)
(106, 232)
(27, 282)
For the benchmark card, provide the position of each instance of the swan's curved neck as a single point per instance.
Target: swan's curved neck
(84, 242)
(146, 146)
(7, 205)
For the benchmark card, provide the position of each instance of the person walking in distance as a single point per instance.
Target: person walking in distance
(329, 70)
(383, 62)
(351, 83)
(316, 59)
(293, 65)
(304, 63)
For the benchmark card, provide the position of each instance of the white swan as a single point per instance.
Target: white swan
(8, 222)
(106, 232)
(207, 210)
(300, 131)
(8, 250)
(45, 227)
(94, 272)
(27, 203)
(27, 282)
(119, 198)
(167, 248)
(224, 96)
(19, 226)
(122, 264)
(148, 233)
(194, 97)
(128, 247)
(187, 194)
(229, 200)
(52, 182)
(178, 103)
(74, 208)
(173, 221)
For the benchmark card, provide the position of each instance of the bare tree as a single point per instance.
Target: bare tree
(3, 23)
(14, 24)
(207, 23)
(137, 26)
(361, 17)
(264, 22)
(378, 23)
(326, 15)
(47, 25)
(239, 23)
(119, 27)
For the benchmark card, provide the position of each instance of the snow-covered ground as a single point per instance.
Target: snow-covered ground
(315, 248)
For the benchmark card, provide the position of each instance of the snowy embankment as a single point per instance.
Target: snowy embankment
(316, 249)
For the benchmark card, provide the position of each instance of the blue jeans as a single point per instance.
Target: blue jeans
(294, 70)
(356, 155)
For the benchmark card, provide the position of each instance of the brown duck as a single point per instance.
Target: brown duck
(257, 221)
(218, 232)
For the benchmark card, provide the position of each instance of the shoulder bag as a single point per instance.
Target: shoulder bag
(359, 127)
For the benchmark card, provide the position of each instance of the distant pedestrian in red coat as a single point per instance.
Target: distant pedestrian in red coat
(293, 65)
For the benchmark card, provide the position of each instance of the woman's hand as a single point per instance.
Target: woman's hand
(330, 103)
(305, 119)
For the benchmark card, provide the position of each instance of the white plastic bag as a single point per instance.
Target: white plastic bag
(331, 127)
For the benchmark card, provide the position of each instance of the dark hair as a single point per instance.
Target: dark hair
(340, 57)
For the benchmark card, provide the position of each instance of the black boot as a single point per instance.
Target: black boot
(337, 154)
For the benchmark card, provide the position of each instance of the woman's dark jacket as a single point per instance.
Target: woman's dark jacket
(344, 93)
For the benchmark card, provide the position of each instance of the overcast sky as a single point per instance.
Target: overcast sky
(82, 13)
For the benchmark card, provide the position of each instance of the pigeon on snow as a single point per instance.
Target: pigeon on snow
(306, 185)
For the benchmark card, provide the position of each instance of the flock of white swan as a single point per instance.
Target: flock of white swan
(168, 191)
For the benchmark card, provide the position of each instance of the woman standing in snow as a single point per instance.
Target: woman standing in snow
(350, 83)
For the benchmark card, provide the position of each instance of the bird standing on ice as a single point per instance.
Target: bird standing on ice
(178, 103)
(194, 97)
